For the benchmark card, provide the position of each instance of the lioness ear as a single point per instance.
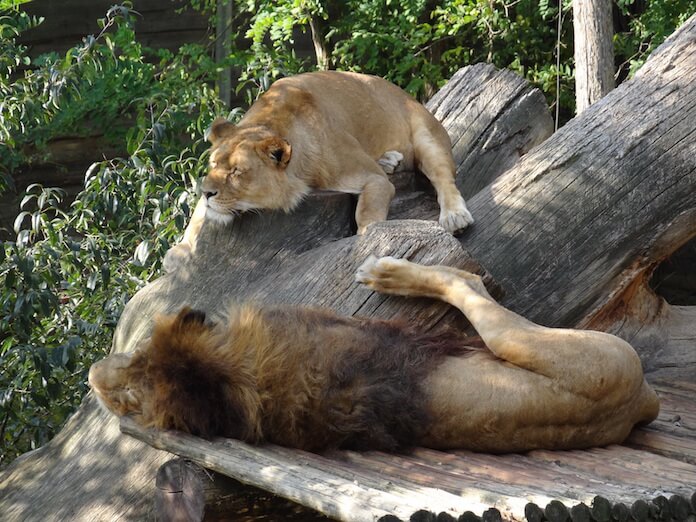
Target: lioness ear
(279, 150)
(219, 129)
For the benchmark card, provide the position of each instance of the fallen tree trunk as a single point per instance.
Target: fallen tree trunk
(574, 231)
(561, 236)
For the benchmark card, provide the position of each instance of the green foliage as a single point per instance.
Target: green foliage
(417, 44)
(72, 268)
(647, 27)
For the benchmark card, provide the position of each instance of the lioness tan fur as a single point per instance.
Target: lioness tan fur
(325, 130)
(310, 379)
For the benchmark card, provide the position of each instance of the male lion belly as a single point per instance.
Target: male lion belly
(483, 404)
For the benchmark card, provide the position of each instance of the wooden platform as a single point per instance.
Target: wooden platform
(656, 461)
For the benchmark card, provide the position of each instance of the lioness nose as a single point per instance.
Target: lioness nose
(209, 195)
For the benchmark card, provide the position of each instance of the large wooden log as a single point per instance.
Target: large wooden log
(574, 230)
(91, 472)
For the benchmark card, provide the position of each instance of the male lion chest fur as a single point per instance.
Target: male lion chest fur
(332, 131)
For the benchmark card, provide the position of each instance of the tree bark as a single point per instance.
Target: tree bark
(223, 48)
(573, 232)
(566, 231)
(594, 51)
(321, 51)
(185, 492)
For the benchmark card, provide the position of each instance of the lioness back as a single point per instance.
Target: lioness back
(376, 113)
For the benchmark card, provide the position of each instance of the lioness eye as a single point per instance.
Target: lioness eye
(213, 164)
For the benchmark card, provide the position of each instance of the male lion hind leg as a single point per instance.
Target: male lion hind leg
(433, 155)
(591, 364)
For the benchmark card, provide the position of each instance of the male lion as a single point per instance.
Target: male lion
(324, 130)
(310, 379)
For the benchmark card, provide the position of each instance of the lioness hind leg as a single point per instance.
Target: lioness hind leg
(433, 157)
(562, 354)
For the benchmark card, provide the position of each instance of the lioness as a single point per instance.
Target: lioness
(313, 380)
(325, 130)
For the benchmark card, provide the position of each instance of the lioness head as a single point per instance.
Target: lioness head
(248, 170)
(183, 378)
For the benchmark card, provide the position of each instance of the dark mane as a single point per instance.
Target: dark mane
(327, 381)
(383, 385)
(196, 386)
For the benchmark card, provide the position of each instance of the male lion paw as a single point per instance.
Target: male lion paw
(456, 218)
(384, 274)
(176, 257)
(390, 161)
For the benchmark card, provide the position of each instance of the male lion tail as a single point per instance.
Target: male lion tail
(199, 386)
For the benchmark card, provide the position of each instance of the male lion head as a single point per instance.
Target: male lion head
(184, 378)
(248, 170)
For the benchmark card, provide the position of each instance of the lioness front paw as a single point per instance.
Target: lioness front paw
(390, 161)
(176, 257)
(456, 218)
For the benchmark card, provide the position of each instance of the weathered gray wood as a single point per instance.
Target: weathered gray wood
(305, 478)
(179, 495)
(493, 117)
(581, 221)
(594, 51)
(185, 492)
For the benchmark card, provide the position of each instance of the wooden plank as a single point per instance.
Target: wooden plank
(508, 490)
(639, 469)
(290, 474)
(665, 444)
(511, 477)
(365, 485)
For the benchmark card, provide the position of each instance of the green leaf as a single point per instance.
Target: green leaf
(92, 281)
(26, 199)
(19, 220)
(141, 253)
(106, 275)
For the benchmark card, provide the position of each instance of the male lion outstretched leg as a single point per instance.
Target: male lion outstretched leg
(592, 364)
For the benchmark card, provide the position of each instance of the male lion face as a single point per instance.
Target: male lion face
(247, 170)
(184, 377)
(117, 384)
